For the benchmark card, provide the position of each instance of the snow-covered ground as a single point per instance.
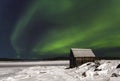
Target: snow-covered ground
(105, 70)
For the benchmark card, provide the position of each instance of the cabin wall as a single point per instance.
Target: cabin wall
(72, 60)
(80, 60)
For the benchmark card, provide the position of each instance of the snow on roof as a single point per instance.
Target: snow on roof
(82, 52)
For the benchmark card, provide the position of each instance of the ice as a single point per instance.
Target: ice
(106, 71)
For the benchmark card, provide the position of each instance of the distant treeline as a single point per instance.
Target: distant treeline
(9, 59)
(45, 59)
(57, 58)
(107, 58)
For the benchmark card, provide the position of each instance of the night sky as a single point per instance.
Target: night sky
(37, 29)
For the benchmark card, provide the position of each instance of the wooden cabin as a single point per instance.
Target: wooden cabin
(80, 56)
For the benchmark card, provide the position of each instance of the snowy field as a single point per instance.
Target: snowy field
(105, 70)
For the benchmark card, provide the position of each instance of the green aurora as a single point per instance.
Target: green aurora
(51, 27)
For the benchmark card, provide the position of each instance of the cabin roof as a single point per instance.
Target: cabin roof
(82, 52)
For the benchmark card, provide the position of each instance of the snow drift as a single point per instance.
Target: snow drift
(105, 70)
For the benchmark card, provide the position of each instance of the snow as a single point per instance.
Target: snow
(104, 70)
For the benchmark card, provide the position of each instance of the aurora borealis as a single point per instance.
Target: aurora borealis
(49, 28)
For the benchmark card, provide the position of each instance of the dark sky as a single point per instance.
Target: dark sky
(10, 11)
(48, 28)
